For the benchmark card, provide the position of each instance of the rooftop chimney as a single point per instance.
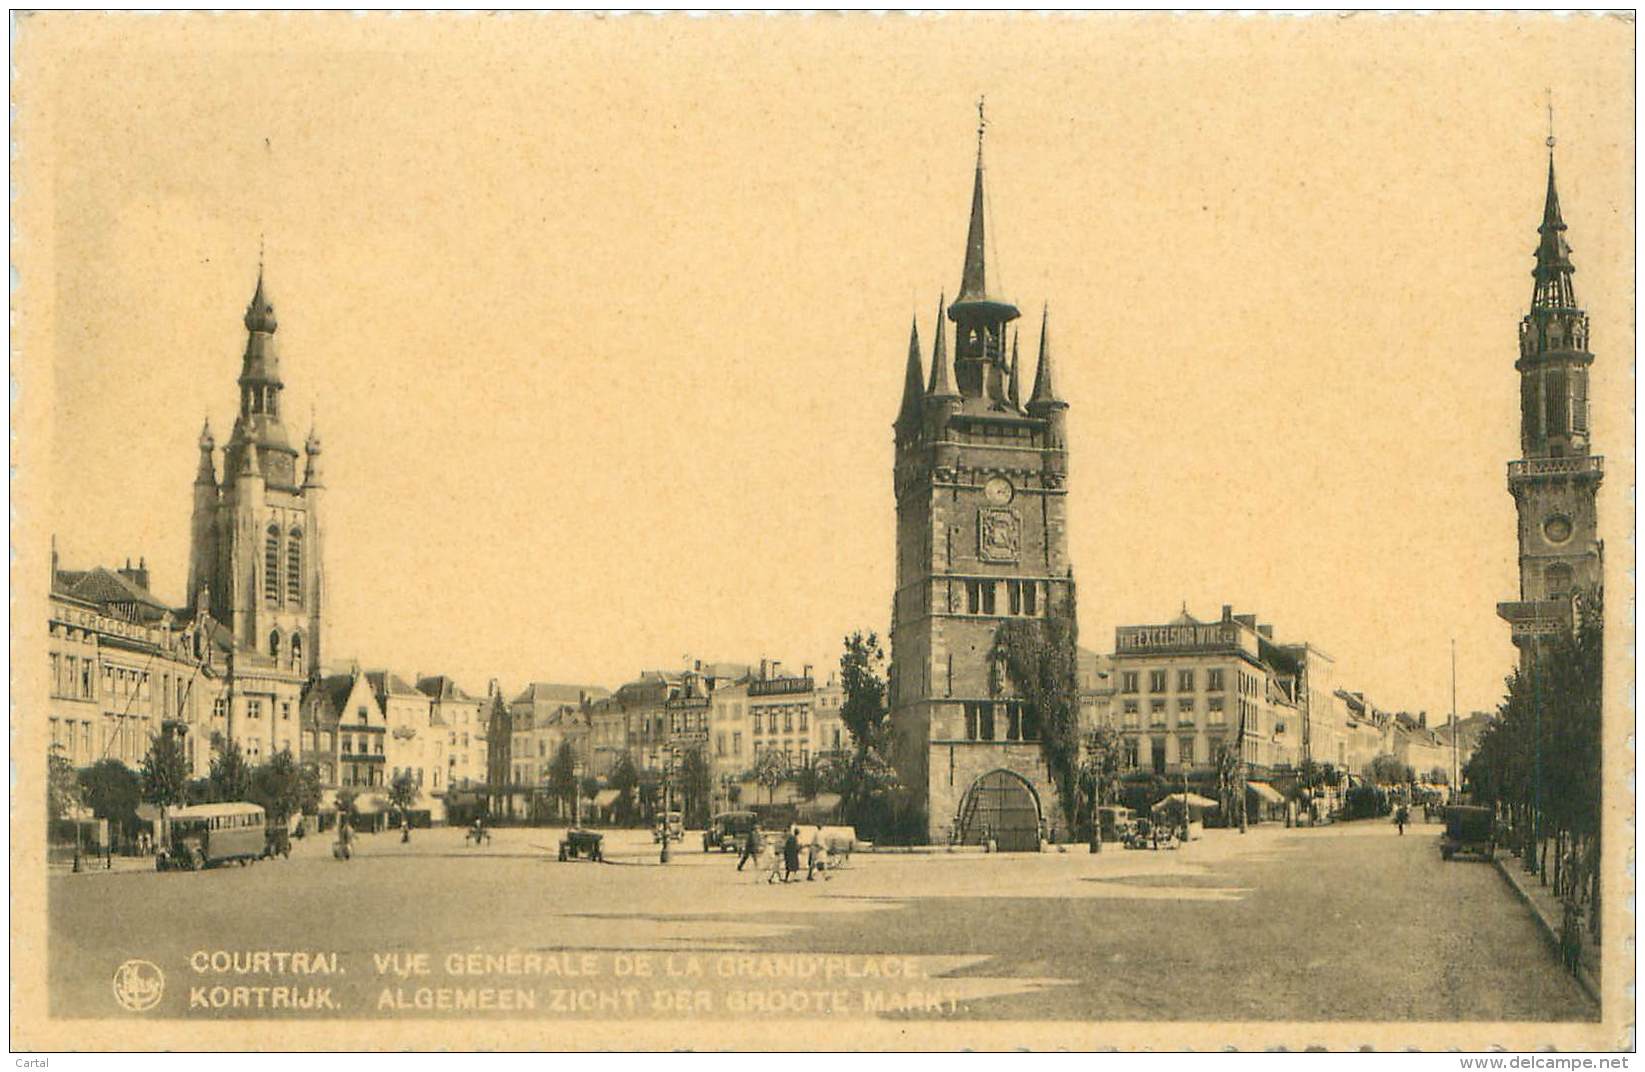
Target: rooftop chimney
(807, 670)
(1227, 612)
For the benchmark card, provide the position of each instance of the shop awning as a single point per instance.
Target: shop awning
(606, 797)
(1194, 801)
(1265, 792)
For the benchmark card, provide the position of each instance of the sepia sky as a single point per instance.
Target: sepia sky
(604, 319)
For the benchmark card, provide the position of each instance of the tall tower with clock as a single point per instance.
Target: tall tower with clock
(1556, 479)
(982, 539)
(256, 559)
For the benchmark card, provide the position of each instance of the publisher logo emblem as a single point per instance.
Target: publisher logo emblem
(138, 985)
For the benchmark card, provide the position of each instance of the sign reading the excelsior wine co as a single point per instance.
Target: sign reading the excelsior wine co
(1153, 638)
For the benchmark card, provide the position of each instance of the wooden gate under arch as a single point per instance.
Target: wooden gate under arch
(1003, 806)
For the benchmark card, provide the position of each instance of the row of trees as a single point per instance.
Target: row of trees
(1539, 762)
(111, 790)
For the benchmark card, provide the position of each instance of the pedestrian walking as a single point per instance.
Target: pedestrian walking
(750, 849)
(791, 855)
(814, 856)
(1402, 815)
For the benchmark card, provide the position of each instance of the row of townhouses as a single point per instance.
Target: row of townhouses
(1184, 693)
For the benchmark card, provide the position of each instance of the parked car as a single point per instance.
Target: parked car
(675, 823)
(1470, 830)
(727, 830)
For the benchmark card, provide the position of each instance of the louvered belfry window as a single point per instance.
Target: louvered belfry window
(271, 567)
(294, 567)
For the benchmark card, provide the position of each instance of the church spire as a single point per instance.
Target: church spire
(940, 386)
(1553, 269)
(1045, 391)
(979, 315)
(913, 387)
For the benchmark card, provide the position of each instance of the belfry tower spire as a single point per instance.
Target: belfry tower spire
(1556, 481)
(982, 540)
(979, 314)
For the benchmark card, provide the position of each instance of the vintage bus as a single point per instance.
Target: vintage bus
(210, 834)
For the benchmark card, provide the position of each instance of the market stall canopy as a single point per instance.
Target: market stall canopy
(1194, 801)
(1265, 792)
(606, 797)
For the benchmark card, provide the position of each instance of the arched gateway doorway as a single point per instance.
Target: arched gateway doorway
(1001, 805)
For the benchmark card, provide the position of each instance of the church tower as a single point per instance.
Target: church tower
(256, 562)
(1555, 482)
(981, 540)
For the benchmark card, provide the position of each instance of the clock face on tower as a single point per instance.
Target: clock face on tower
(998, 490)
(1557, 528)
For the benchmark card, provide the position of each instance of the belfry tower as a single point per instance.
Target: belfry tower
(1555, 482)
(256, 561)
(981, 540)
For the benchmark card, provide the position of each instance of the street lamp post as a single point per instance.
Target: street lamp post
(668, 797)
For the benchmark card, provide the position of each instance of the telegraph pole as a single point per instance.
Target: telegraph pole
(1456, 773)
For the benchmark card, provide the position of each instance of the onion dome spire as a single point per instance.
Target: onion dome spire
(940, 386)
(260, 313)
(913, 386)
(1045, 391)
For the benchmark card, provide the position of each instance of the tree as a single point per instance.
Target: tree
(346, 796)
(165, 773)
(1099, 776)
(562, 776)
(696, 782)
(230, 774)
(1386, 769)
(808, 781)
(403, 792)
(625, 779)
(1439, 776)
(862, 680)
(770, 770)
(62, 786)
(309, 789)
(1039, 660)
(112, 790)
(278, 786)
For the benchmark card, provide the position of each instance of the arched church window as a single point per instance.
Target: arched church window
(294, 567)
(297, 652)
(1559, 580)
(271, 567)
(274, 645)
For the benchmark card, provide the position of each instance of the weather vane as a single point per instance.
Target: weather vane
(1550, 118)
(982, 122)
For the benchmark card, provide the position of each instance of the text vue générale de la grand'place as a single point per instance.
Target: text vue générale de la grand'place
(970, 810)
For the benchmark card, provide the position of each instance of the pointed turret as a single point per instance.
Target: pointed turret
(1045, 390)
(248, 463)
(913, 386)
(207, 471)
(940, 386)
(311, 447)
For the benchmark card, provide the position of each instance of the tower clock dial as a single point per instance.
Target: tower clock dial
(998, 490)
(1557, 528)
